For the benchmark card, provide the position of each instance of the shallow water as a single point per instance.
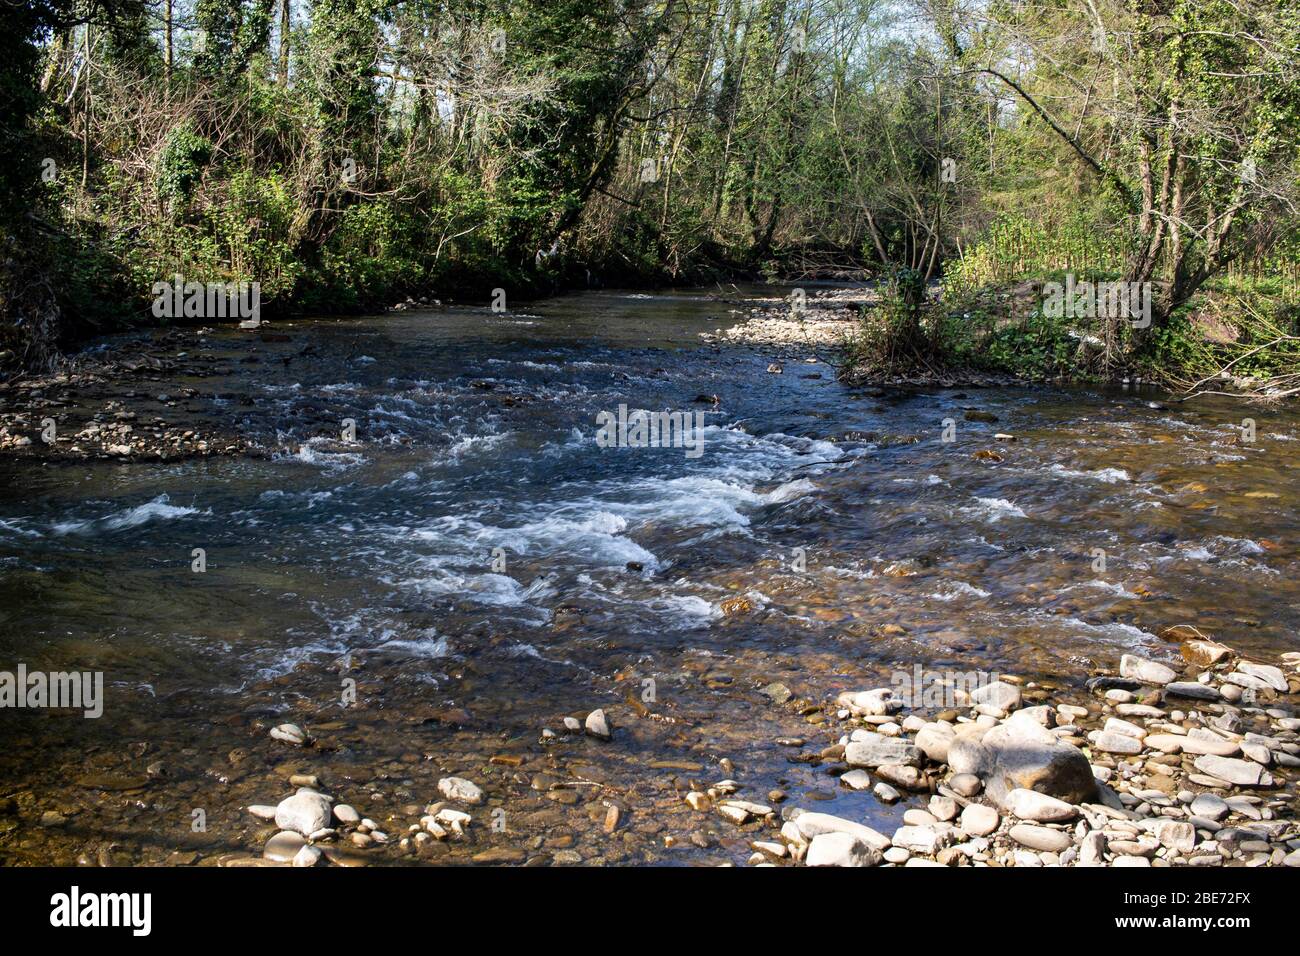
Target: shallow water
(863, 541)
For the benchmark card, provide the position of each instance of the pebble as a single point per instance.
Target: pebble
(305, 812)
(307, 856)
(283, 847)
(597, 725)
(1243, 773)
(1040, 838)
(460, 790)
(1146, 671)
(978, 820)
(1114, 743)
(346, 815)
(289, 733)
(856, 780)
(1032, 805)
(943, 808)
(840, 849)
(1209, 806)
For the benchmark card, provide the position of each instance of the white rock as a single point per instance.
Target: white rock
(307, 856)
(1039, 807)
(1272, 676)
(978, 820)
(597, 725)
(1176, 835)
(1149, 672)
(814, 824)
(1209, 806)
(922, 839)
(460, 790)
(997, 694)
(346, 815)
(305, 812)
(856, 780)
(1241, 772)
(289, 733)
(943, 808)
(840, 849)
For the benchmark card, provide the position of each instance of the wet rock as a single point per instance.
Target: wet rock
(283, 847)
(1203, 652)
(597, 725)
(501, 856)
(305, 812)
(306, 857)
(460, 790)
(290, 734)
(909, 778)
(1146, 671)
(874, 750)
(856, 780)
(870, 703)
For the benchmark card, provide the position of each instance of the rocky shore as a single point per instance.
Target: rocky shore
(1150, 768)
(823, 322)
(1156, 769)
(136, 398)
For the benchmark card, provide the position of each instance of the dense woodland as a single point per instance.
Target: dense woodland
(347, 153)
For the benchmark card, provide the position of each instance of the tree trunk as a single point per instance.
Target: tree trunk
(282, 60)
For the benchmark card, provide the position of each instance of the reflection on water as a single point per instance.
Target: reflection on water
(474, 543)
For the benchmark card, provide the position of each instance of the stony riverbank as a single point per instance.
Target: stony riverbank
(822, 326)
(1154, 768)
(138, 398)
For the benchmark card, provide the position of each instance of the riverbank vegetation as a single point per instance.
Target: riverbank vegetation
(345, 154)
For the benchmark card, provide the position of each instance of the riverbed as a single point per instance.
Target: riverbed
(432, 560)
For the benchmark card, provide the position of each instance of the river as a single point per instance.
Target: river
(481, 567)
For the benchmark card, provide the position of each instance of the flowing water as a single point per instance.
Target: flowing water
(481, 567)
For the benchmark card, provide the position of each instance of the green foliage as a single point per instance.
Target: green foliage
(184, 157)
